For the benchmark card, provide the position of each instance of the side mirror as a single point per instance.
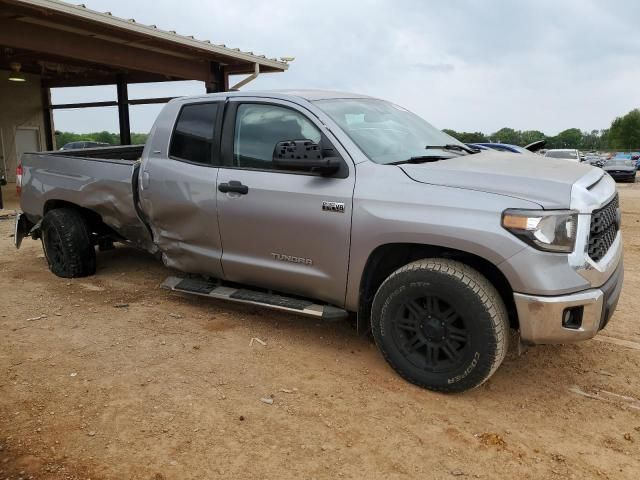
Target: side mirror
(303, 155)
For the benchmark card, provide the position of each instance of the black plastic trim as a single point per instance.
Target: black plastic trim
(611, 290)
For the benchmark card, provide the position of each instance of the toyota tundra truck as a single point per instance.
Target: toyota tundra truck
(335, 206)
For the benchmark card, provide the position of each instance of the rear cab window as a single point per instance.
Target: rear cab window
(194, 133)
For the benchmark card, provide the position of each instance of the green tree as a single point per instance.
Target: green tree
(604, 139)
(139, 138)
(106, 137)
(507, 135)
(467, 137)
(530, 136)
(590, 140)
(624, 133)
(63, 138)
(569, 138)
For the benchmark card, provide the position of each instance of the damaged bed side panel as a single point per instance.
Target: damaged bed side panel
(101, 185)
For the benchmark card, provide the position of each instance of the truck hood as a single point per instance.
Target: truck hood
(545, 181)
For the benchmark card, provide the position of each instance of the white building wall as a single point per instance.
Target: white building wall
(20, 106)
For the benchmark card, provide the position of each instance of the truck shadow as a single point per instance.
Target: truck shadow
(139, 268)
(548, 368)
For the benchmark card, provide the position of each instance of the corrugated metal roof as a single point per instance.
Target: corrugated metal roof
(106, 18)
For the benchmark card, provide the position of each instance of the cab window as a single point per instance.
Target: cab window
(259, 127)
(193, 135)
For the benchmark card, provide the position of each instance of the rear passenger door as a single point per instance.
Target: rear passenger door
(282, 230)
(178, 190)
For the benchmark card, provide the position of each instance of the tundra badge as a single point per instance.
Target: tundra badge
(289, 258)
(333, 206)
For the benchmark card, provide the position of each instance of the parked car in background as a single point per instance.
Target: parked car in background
(477, 146)
(507, 147)
(622, 168)
(564, 153)
(83, 144)
(501, 147)
(594, 159)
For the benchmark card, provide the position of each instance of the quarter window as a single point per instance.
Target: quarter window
(193, 136)
(260, 127)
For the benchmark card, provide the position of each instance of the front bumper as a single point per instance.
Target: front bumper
(542, 318)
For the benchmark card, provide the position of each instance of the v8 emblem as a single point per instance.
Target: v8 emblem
(333, 207)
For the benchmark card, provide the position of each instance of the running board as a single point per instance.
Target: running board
(205, 288)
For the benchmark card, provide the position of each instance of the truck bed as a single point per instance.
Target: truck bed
(98, 179)
(122, 152)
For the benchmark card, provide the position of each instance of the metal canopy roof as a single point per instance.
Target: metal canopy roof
(73, 45)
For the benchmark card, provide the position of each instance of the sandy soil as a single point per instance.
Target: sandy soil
(110, 377)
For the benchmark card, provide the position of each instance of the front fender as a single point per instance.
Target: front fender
(391, 208)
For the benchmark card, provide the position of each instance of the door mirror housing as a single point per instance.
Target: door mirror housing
(303, 155)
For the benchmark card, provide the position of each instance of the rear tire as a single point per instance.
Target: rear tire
(440, 324)
(67, 244)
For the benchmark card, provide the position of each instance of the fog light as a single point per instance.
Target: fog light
(572, 317)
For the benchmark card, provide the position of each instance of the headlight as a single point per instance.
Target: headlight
(552, 231)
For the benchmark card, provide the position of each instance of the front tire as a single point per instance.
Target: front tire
(67, 244)
(440, 324)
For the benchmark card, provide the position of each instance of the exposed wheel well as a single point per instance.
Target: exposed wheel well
(97, 227)
(385, 259)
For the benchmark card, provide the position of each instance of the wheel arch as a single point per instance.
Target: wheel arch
(93, 219)
(386, 259)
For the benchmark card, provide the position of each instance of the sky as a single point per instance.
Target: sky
(469, 65)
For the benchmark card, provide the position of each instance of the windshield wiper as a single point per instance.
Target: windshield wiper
(454, 147)
(420, 159)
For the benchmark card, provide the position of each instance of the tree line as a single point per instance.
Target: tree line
(63, 138)
(623, 134)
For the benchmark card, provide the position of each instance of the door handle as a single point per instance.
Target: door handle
(233, 186)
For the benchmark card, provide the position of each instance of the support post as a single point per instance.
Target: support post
(47, 118)
(218, 81)
(123, 111)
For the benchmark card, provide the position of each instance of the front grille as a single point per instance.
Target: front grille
(604, 228)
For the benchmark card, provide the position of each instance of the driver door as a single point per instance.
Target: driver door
(275, 231)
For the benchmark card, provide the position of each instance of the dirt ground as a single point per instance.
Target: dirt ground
(110, 377)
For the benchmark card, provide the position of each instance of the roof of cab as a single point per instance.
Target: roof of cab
(309, 95)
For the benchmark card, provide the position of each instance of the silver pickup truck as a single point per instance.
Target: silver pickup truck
(344, 206)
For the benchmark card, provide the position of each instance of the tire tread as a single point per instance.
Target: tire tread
(79, 254)
(487, 294)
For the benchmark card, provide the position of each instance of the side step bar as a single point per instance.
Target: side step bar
(210, 289)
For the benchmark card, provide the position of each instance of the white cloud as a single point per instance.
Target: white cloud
(467, 65)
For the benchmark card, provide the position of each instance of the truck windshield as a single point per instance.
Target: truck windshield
(385, 132)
